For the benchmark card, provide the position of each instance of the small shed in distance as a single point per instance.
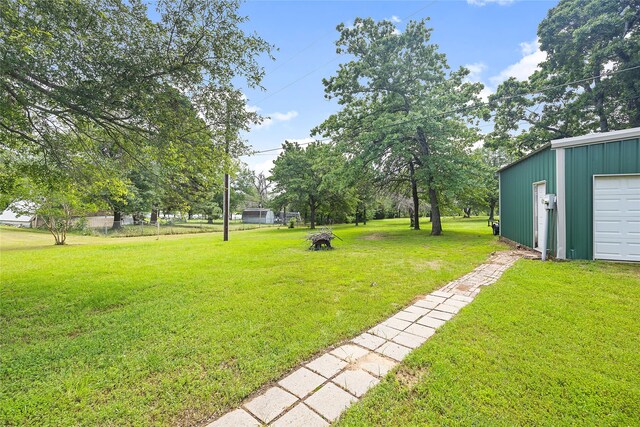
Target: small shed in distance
(257, 216)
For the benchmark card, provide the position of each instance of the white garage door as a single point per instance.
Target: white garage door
(616, 217)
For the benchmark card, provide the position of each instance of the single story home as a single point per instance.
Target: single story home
(17, 215)
(576, 198)
(8, 217)
(258, 216)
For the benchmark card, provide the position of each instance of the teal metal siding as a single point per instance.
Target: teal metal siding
(581, 163)
(516, 192)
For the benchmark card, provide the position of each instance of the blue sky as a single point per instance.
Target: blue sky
(494, 38)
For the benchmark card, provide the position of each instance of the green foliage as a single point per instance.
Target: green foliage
(404, 114)
(57, 206)
(99, 92)
(313, 177)
(584, 41)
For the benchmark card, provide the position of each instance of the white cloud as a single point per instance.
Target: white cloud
(475, 70)
(396, 32)
(274, 118)
(532, 56)
(486, 2)
(284, 117)
(264, 166)
(395, 19)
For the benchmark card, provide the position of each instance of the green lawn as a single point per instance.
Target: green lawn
(549, 344)
(138, 331)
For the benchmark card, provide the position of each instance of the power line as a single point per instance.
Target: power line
(481, 104)
(304, 76)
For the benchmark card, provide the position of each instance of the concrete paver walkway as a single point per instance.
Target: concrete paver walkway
(319, 391)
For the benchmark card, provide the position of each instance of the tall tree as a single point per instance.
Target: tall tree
(590, 80)
(402, 108)
(103, 67)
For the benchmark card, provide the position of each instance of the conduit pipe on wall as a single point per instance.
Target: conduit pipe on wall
(549, 202)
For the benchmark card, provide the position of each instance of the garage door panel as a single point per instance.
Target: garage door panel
(608, 249)
(608, 206)
(616, 217)
(608, 227)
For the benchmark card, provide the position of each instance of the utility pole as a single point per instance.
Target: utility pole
(225, 197)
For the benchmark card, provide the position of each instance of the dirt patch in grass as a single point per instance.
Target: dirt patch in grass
(409, 378)
(429, 265)
(374, 236)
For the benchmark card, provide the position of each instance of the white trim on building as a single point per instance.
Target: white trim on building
(597, 138)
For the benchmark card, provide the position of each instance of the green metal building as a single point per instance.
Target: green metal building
(578, 198)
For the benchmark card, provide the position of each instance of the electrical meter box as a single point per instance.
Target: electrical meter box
(549, 201)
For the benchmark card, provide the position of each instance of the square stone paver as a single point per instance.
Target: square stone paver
(422, 331)
(455, 303)
(349, 352)
(237, 418)
(462, 298)
(409, 316)
(300, 416)
(396, 323)
(424, 303)
(394, 351)
(327, 365)
(409, 340)
(431, 322)
(270, 404)
(417, 309)
(447, 308)
(330, 401)
(376, 364)
(438, 315)
(433, 298)
(384, 331)
(358, 382)
(369, 341)
(441, 294)
(302, 382)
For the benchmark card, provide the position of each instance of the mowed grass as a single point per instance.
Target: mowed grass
(555, 344)
(178, 330)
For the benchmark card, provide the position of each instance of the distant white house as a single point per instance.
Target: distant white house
(11, 217)
(258, 216)
(101, 221)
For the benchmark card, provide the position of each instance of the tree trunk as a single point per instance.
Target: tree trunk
(312, 213)
(492, 208)
(357, 218)
(154, 216)
(190, 214)
(436, 224)
(634, 111)
(467, 212)
(364, 215)
(604, 124)
(414, 196)
(117, 220)
(599, 101)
